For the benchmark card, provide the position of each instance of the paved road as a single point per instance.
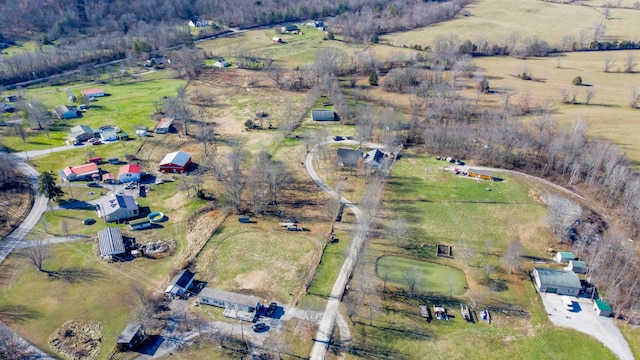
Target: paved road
(586, 320)
(327, 323)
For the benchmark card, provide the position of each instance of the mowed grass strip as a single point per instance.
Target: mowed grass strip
(431, 277)
(330, 264)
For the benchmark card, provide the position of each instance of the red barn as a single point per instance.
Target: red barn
(175, 162)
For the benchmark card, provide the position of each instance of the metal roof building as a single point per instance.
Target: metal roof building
(561, 282)
(111, 242)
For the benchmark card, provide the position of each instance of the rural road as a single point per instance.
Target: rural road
(328, 321)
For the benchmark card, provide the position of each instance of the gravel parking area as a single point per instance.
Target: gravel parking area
(585, 319)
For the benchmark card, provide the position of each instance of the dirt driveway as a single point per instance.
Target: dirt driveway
(584, 319)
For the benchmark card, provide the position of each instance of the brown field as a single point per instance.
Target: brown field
(495, 20)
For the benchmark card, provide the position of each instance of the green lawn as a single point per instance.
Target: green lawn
(431, 277)
(330, 265)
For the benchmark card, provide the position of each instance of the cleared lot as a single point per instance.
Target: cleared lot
(584, 319)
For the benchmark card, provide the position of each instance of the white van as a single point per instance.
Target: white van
(567, 302)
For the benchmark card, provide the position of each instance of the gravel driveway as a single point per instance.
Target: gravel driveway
(584, 319)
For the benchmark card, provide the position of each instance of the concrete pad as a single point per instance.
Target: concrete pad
(585, 319)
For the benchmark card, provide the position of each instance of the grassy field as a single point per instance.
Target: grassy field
(495, 20)
(431, 277)
(127, 105)
(327, 271)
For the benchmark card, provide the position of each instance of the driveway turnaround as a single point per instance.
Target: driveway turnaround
(584, 319)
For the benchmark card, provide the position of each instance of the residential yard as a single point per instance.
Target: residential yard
(127, 105)
(430, 277)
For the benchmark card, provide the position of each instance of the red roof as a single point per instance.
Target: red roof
(108, 176)
(82, 169)
(129, 168)
(89, 92)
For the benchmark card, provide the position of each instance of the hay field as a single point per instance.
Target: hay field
(494, 20)
(608, 115)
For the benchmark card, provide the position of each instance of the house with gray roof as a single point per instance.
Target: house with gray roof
(111, 242)
(323, 115)
(229, 300)
(67, 112)
(132, 335)
(349, 157)
(374, 158)
(180, 284)
(118, 207)
(81, 133)
(556, 281)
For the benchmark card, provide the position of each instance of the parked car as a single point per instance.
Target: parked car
(459, 162)
(77, 143)
(84, 107)
(338, 138)
(567, 302)
(96, 142)
(271, 309)
(293, 228)
(244, 219)
(89, 221)
(94, 184)
(259, 327)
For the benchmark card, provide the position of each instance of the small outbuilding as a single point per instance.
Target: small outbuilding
(602, 308)
(323, 115)
(175, 162)
(132, 335)
(111, 242)
(140, 224)
(563, 257)
(221, 63)
(180, 284)
(555, 281)
(289, 29)
(578, 267)
(164, 126)
(229, 300)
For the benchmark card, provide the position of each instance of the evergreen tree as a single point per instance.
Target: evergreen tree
(47, 186)
(373, 78)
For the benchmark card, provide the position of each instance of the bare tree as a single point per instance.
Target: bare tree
(629, 63)
(65, 227)
(634, 97)
(373, 306)
(398, 229)
(206, 135)
(38, 252)
(411, 278)
(513, 256)
(607, 63)
(465, 251)
(589, 95)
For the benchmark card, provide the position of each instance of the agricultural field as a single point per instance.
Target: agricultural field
(498, 20)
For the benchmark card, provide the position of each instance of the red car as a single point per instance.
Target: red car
(96, 142)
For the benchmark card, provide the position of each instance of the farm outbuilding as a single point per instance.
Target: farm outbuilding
(578, 267)
(140, 224)
(111, 242)
(221, 63)
(563, 257)
(602, 308)
(555, 281)
(323, 115)
(164, 126)
(481, 174)
(175, 162)
(180, 284)
(289, 29)
(229, 300)
(132, 335)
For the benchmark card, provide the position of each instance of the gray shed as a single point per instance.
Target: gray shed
(323, 115)
(111, 242)
(560, 282)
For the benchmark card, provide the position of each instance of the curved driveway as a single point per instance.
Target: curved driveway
(327, 323)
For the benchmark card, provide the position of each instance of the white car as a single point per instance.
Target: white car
(567, 302)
